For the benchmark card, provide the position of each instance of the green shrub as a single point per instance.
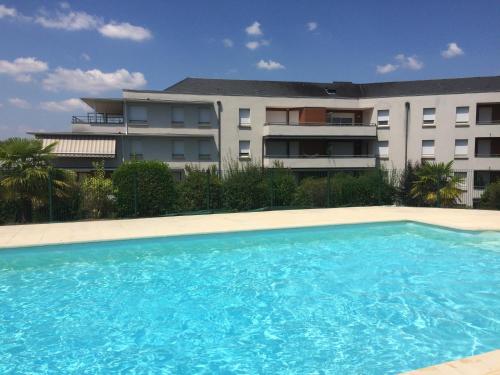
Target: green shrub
(311, 192)
(97, 194)
(490, 199)
(145, 185)
(282, 186)
(244, 187)
(200, 190)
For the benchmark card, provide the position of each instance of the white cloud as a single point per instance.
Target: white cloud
(452, 51)
(125, 30)
(85, 56)
(387, 68)
(409, 62)
(64, 5)
(22, 68)
(67, 105)
(92, 81)
(253, 45)
(19, 103)
(228, 43)
(7, 12)
(311, 26)
(269, 65)
(71, 21)
(254, 29)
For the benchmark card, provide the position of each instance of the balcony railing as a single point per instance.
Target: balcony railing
(98, 118)
(319, 124)
(318, 156)
(487, 155)
(490, 122)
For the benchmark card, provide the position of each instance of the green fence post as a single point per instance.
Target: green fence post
(135, 195)
(328, 189)
(51, 215)
(208, 189)
(272, 187)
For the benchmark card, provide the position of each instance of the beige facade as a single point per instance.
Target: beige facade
(357, 133)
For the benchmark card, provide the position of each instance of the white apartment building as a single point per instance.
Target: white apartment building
(305, 126)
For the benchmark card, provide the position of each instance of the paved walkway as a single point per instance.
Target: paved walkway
(83, 231)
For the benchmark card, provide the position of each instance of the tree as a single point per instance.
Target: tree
(143, 188)
(437, 185)
(26, 175)
(97, 193)
(490, 199)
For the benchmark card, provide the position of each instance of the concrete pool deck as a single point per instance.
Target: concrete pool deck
(102, 230)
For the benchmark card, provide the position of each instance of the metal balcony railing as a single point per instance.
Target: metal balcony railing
(490, 122)
(318, 156)
(98, 118)
(319, 124)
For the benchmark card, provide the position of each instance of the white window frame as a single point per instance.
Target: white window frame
(137, 113)
(244, 152)
(178, 155)
(176, 111)
(462, 117)
(428, 147)
(461, 150)
(383, 116)
(384, 155)
(429, 118)
(204, 116)
(245, 121)
(204, 154)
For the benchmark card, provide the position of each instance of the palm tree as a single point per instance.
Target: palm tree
(25, 173)
(437, 185)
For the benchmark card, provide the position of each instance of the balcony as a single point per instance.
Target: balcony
(322, 161)
(98, 119)
(326, 129)
(488, 114)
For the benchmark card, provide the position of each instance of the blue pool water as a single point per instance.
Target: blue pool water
(360, 299)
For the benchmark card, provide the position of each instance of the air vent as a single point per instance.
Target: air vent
(331, 91)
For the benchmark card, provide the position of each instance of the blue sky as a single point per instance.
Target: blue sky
(54, 52)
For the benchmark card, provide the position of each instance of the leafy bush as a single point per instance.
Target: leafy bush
(490, 199)
(244, 187)
(97, 194)
(406, 181)
(281, 185)
(143, 188)
(200, 190)
(311, 192)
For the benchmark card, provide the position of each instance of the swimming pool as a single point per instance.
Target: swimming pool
(355, 299)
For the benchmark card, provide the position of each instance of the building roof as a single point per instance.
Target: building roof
(231, 87)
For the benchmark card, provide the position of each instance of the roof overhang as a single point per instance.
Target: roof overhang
(105, 105)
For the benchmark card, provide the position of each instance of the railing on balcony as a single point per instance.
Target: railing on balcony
(318, 156)
(490, 122)
(98, 118)
(319, 124)
(482, 155)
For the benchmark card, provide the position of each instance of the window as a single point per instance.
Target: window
(244, 117)
(276, 117)
(337, 118)
(244, 149)
(204, 149)
(485, 115)
(204, 116)
(463, 179)
(136, 150)
(137, 114)
(383, 117)
(178, 115)
(429, 116)
(461, 147)
(178, 150)
(383, 149)
(462, 115)
(428, 148)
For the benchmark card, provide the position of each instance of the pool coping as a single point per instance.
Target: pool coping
(13, 236)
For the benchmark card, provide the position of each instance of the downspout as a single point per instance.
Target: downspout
(219, 122)
(407, 125)
(125, 120)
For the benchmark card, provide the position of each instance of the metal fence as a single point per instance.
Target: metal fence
(203, 192)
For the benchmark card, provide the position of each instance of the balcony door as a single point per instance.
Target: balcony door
(341, 118)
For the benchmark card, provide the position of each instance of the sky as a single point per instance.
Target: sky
(54, 52)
